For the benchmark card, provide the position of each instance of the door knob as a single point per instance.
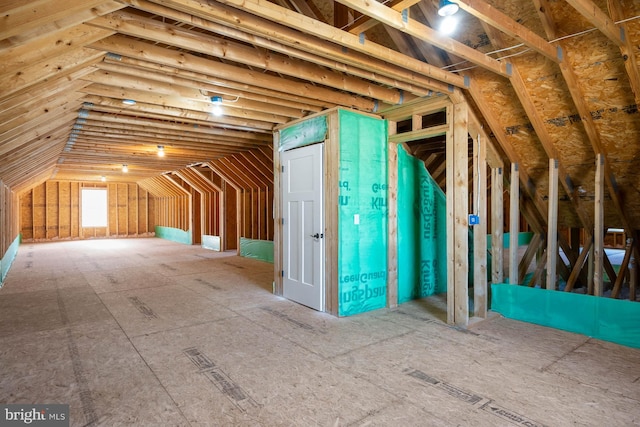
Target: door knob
(317, 236)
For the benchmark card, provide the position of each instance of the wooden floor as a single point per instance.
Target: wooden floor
(148, 332)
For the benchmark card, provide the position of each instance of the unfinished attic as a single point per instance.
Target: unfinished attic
(312, 179)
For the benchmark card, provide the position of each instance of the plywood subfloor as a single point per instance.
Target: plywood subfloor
(148, 332)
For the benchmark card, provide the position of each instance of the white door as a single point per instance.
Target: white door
(303, 229)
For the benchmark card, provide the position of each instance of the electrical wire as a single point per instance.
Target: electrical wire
(529, 49)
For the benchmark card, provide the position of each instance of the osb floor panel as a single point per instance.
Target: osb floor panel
(148, 332)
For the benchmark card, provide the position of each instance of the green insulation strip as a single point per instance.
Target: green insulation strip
(7, 259)
(174, 234)
(257, 249)
(362, 214)
(304, 133)
(607, 319)
(422, 231)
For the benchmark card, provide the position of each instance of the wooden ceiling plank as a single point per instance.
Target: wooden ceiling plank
(45, 88)
(65, 64)
(206, 82)
(156, 31)
(188, 118)
(30, 106)
(492, 16)
(37, 13)
(33, 147)
(343, 38)
(192, 93)
(39, 127)
(29, 182)
(125, 122)
(269, 30)
(420, 31)
(62, 24)
(309, 56)
(101, 103)
(117, 94)
(47, 48)
(168, 140)
(50, 106)
(126, 46)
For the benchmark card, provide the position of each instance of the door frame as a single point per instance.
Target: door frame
(295, 291)
(331, 162)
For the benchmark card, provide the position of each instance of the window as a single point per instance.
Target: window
(94, 207)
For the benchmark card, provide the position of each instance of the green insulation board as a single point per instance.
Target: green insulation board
(607, 319)
(257, 249)
(7, 259)
(174, 234)
(422, 231)
(304, 133)
(362, 214)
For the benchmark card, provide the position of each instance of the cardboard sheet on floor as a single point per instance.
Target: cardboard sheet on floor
(362, 214)
(607, 319)
(422, 249)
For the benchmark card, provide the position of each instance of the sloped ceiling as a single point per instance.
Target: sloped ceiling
(551, 79)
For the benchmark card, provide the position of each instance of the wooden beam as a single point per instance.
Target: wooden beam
(160, 32)
(514, 223)
(622, 272)
(577, 266)
(63, 65)
(392, 218)
(492, 16)
(480, 292)
(125, 46)
(532, 249)
(394, 19)
(457, 215)
(32, 14)
(627, 49)
(326, 32)
(599, 227)
(257, 31)
(497, 224)
(552, 226)
(599, 19)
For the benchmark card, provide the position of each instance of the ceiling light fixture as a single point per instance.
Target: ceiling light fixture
(125, 168)
(103, 178)
(160, 150)
(129, 101)
(447, 8)
(448, 25)
(217, 105)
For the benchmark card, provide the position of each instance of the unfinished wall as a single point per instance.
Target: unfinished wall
(52, 211)
(9, 238)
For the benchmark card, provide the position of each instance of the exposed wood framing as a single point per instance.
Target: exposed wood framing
(457, 215)
(514, 223)
(552, 224)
